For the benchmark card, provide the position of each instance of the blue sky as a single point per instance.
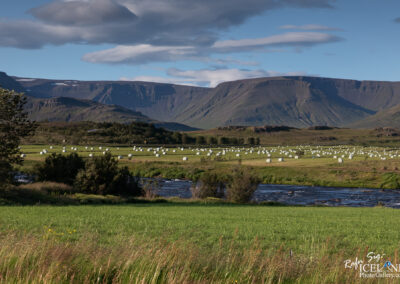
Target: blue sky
(200, 42)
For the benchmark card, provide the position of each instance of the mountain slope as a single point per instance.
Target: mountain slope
(6, 82)
(73, 110)
(373, 95)
(158, 101)
(69, 109)
(385, 118)
(273, 101)
(294, 101)
(66, 109)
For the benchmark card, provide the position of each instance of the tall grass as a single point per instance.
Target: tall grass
(191, 243)
(48, 260)
(49, 187)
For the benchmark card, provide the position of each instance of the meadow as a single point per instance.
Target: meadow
(205, 241)
(187, 242)
(339, 166)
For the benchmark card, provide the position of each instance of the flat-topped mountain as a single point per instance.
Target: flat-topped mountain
(297, 101)
(292, 101)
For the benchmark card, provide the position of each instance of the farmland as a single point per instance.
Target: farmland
(191, 242)
(347, 166)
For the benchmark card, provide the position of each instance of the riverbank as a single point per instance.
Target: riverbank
(180, 191)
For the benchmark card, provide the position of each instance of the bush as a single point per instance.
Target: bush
(209, 185)
(150, 189)
(251, 141)
(60, 168)
(241, 186)
(200, 140)
(103, 176)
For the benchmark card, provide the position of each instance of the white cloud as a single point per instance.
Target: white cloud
(310, 27)
(286, 39)
(144, 53)
(159, 79)
(210, 77)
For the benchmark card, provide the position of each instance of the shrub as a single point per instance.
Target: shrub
(103, 176)
(60, 168)
(200, 140)
(241, 186)
(251, 141)
(150, 189)
(209, 185)
(212, 140)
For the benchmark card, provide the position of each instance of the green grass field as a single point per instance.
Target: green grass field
(187, 242)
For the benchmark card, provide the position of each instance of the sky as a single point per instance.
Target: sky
(202, 43)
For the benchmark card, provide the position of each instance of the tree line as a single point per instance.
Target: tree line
(134, 133)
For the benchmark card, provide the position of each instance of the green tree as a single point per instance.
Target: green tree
(212, 140)
(251, 141)
(60, 168)
(103, 176)
(223, 141)
(177, 137)
(14, 125)
(200, 140)
(185, 139)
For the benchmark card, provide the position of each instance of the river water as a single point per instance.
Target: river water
(300, 195)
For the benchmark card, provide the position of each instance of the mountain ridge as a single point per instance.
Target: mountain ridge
(67, 109)
(297, 101)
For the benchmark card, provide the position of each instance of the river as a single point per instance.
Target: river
(300, 195)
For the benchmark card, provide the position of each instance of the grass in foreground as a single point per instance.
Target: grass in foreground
(184, 242)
